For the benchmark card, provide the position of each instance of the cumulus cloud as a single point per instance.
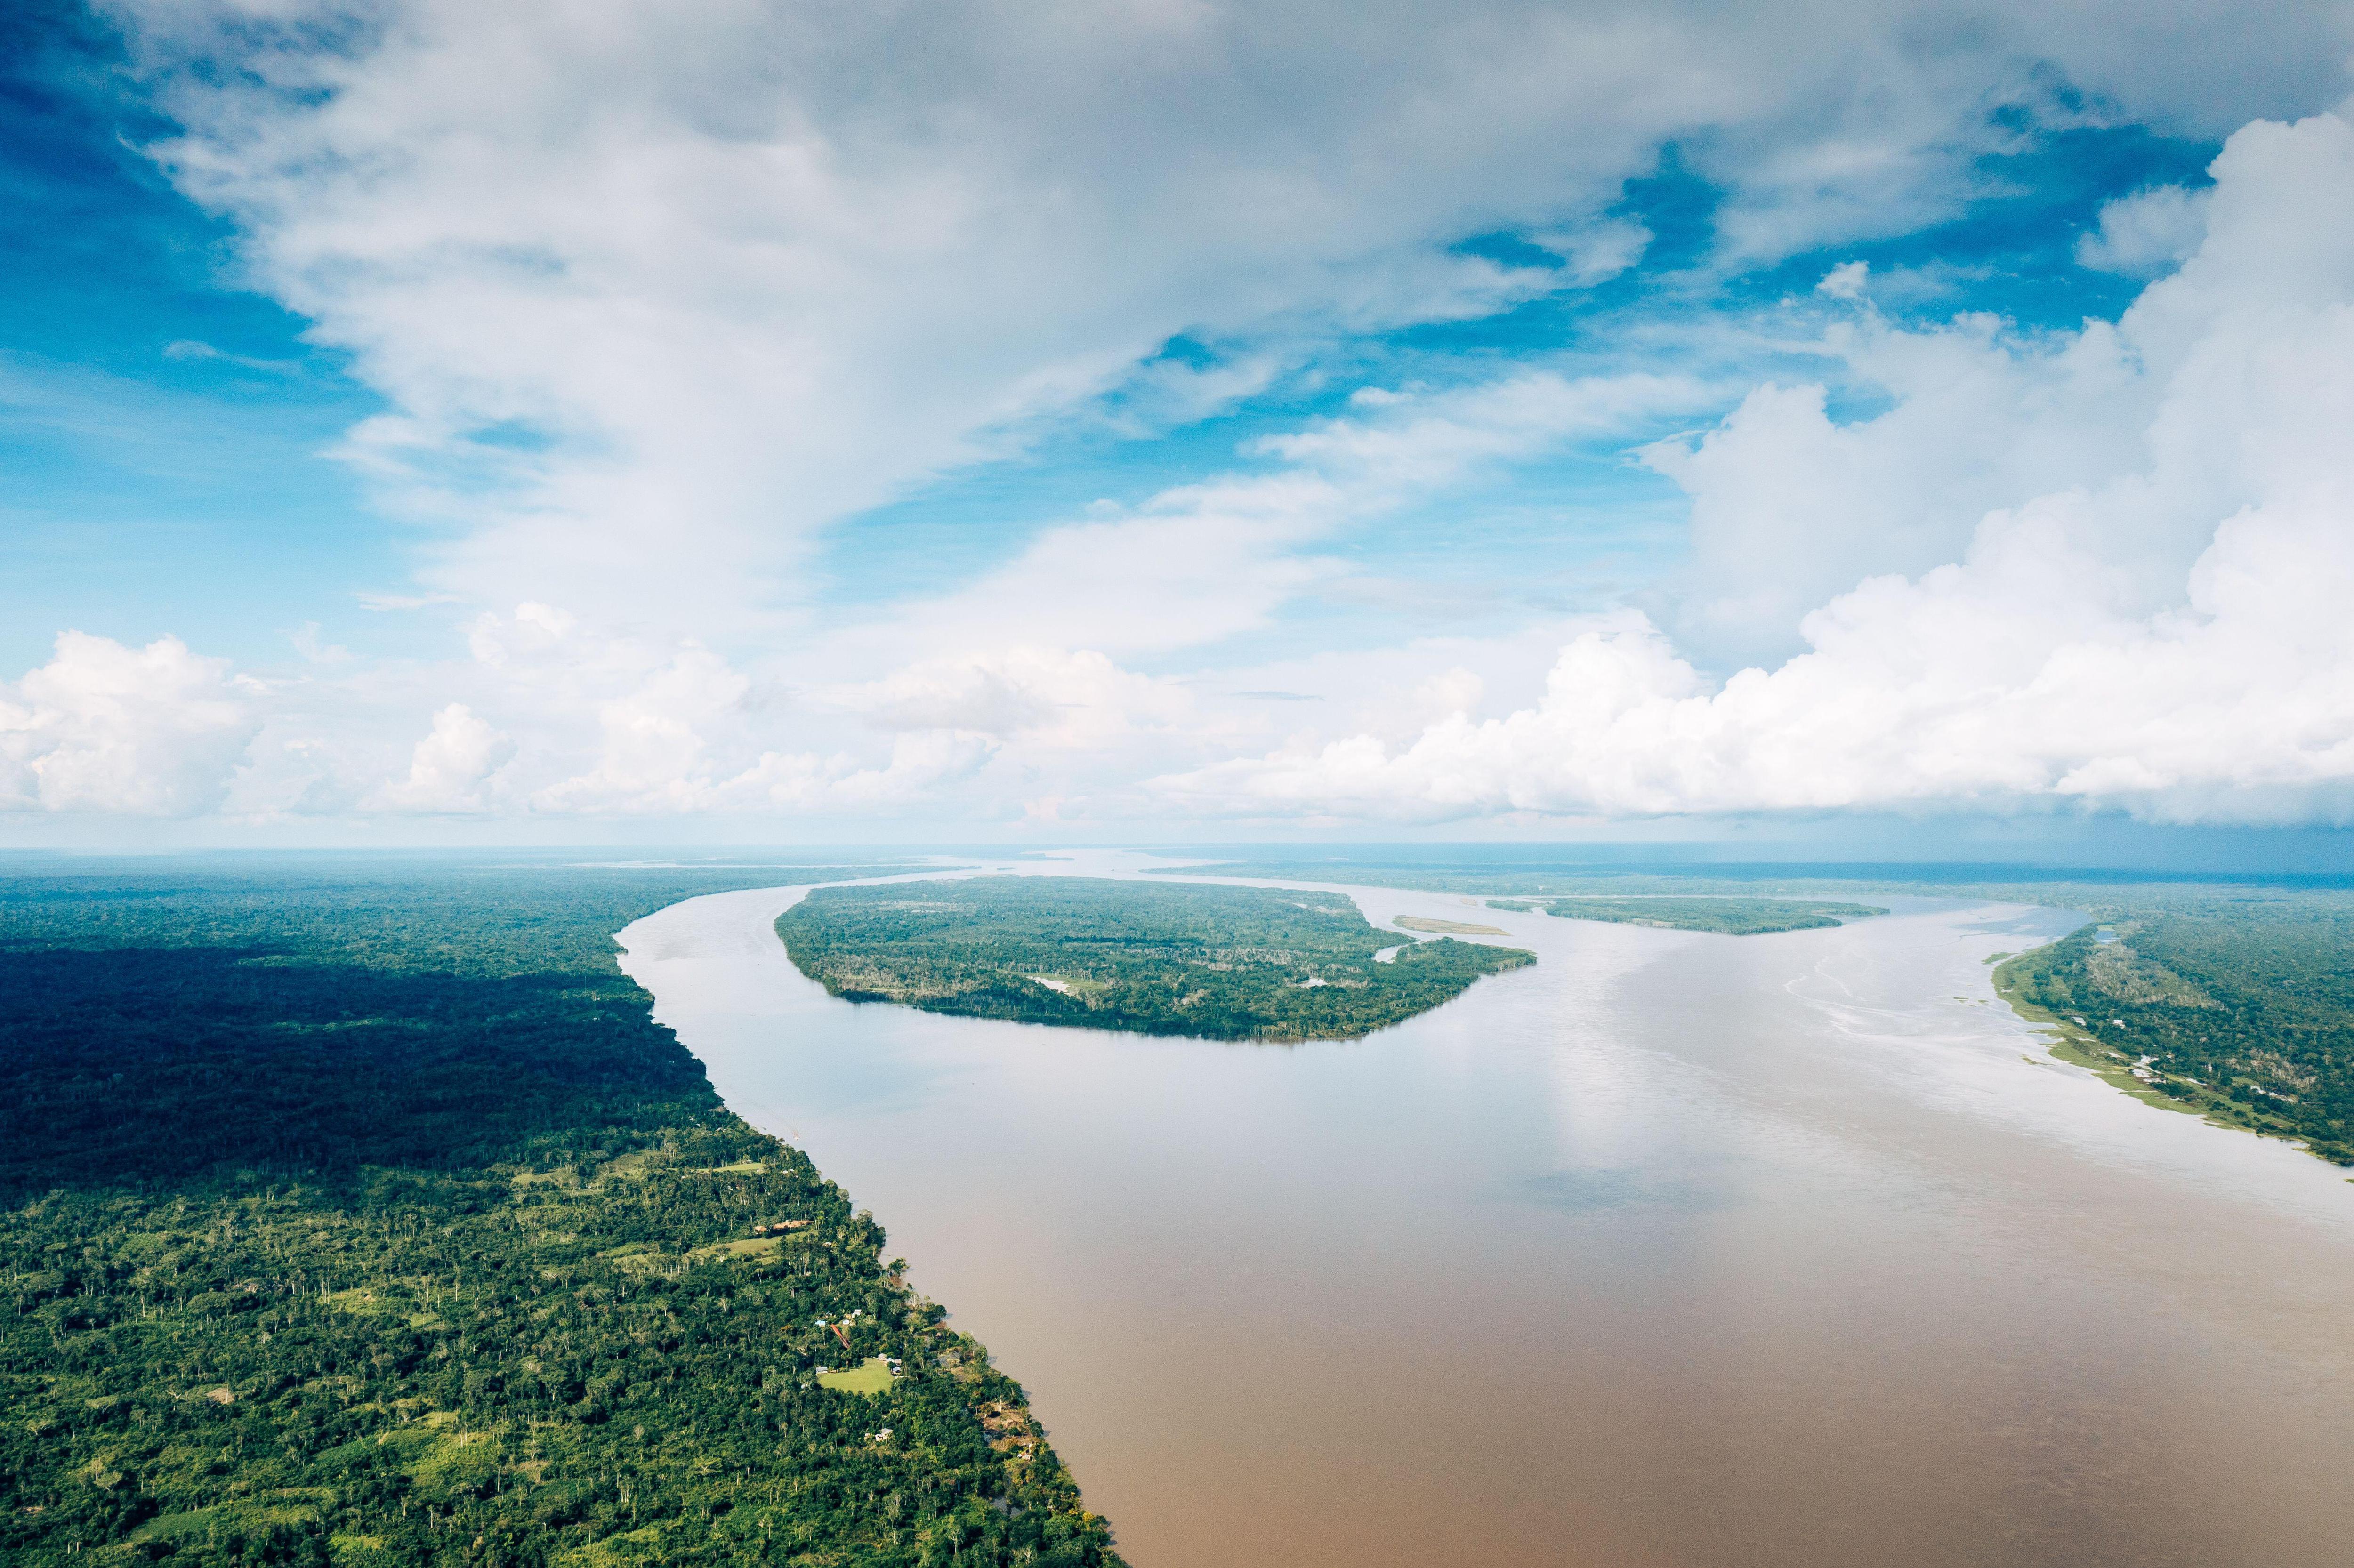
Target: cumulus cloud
(604, 723)
(657, 751)
(2152, 619)
(655, 298)
(1597, 251)
(452, 767)
(1789, 506)
(2146, 233)
(654, 293)
(152, 732)
(2101, 568)
(920, 763)
(1052, 698)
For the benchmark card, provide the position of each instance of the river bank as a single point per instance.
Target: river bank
(2070, 1039)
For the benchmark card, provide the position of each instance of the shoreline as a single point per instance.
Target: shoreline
(2067, 1042)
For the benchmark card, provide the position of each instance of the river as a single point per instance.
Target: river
(1672, 1249)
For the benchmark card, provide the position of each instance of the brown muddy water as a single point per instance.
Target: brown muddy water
(1674, 1250)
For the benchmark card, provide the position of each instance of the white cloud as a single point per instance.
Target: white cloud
(654, 293)
(619, 725)
(452, 769)
(921, 763)
(2152, 619)
(1597, 251)
(1054, 699)
(153, 732)
(654, 296)
(1199, 564)
(656, 753)
(1789, 506)
(191, 348)
(1847, 281)
(400, 601)
(2146, 233)
(2100, 569)
(1420, 441)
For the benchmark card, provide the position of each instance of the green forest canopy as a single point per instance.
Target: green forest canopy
(1229, 963)
(2242, 999)
(366, 1218)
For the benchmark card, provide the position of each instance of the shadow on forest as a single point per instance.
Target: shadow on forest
(142, 1064)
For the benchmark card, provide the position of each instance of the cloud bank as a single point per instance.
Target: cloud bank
(661, 303)
(656, 294)
(144, 732)
(2160, 625)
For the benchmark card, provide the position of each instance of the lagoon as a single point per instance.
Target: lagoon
(1675, 1248)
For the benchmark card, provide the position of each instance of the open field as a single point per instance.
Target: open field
(869, 1377)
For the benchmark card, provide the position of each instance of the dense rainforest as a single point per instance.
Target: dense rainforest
(360, 1214)
(2238, 1003)
(1228, 963)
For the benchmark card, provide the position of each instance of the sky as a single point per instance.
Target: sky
(1847, 427)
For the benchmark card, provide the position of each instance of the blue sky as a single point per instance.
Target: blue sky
(129, 471)
(1602, 525)
(427, 425)
(151, 489)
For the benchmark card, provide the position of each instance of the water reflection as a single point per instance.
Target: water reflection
(1672, 1249)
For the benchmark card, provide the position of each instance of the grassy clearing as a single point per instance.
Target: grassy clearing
(870, 1378)
(750, 1247)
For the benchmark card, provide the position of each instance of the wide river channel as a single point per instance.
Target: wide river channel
(1672, 1249)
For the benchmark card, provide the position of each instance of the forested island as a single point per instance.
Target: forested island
(1718, 913)
(366, 1218)
(1228, 963)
